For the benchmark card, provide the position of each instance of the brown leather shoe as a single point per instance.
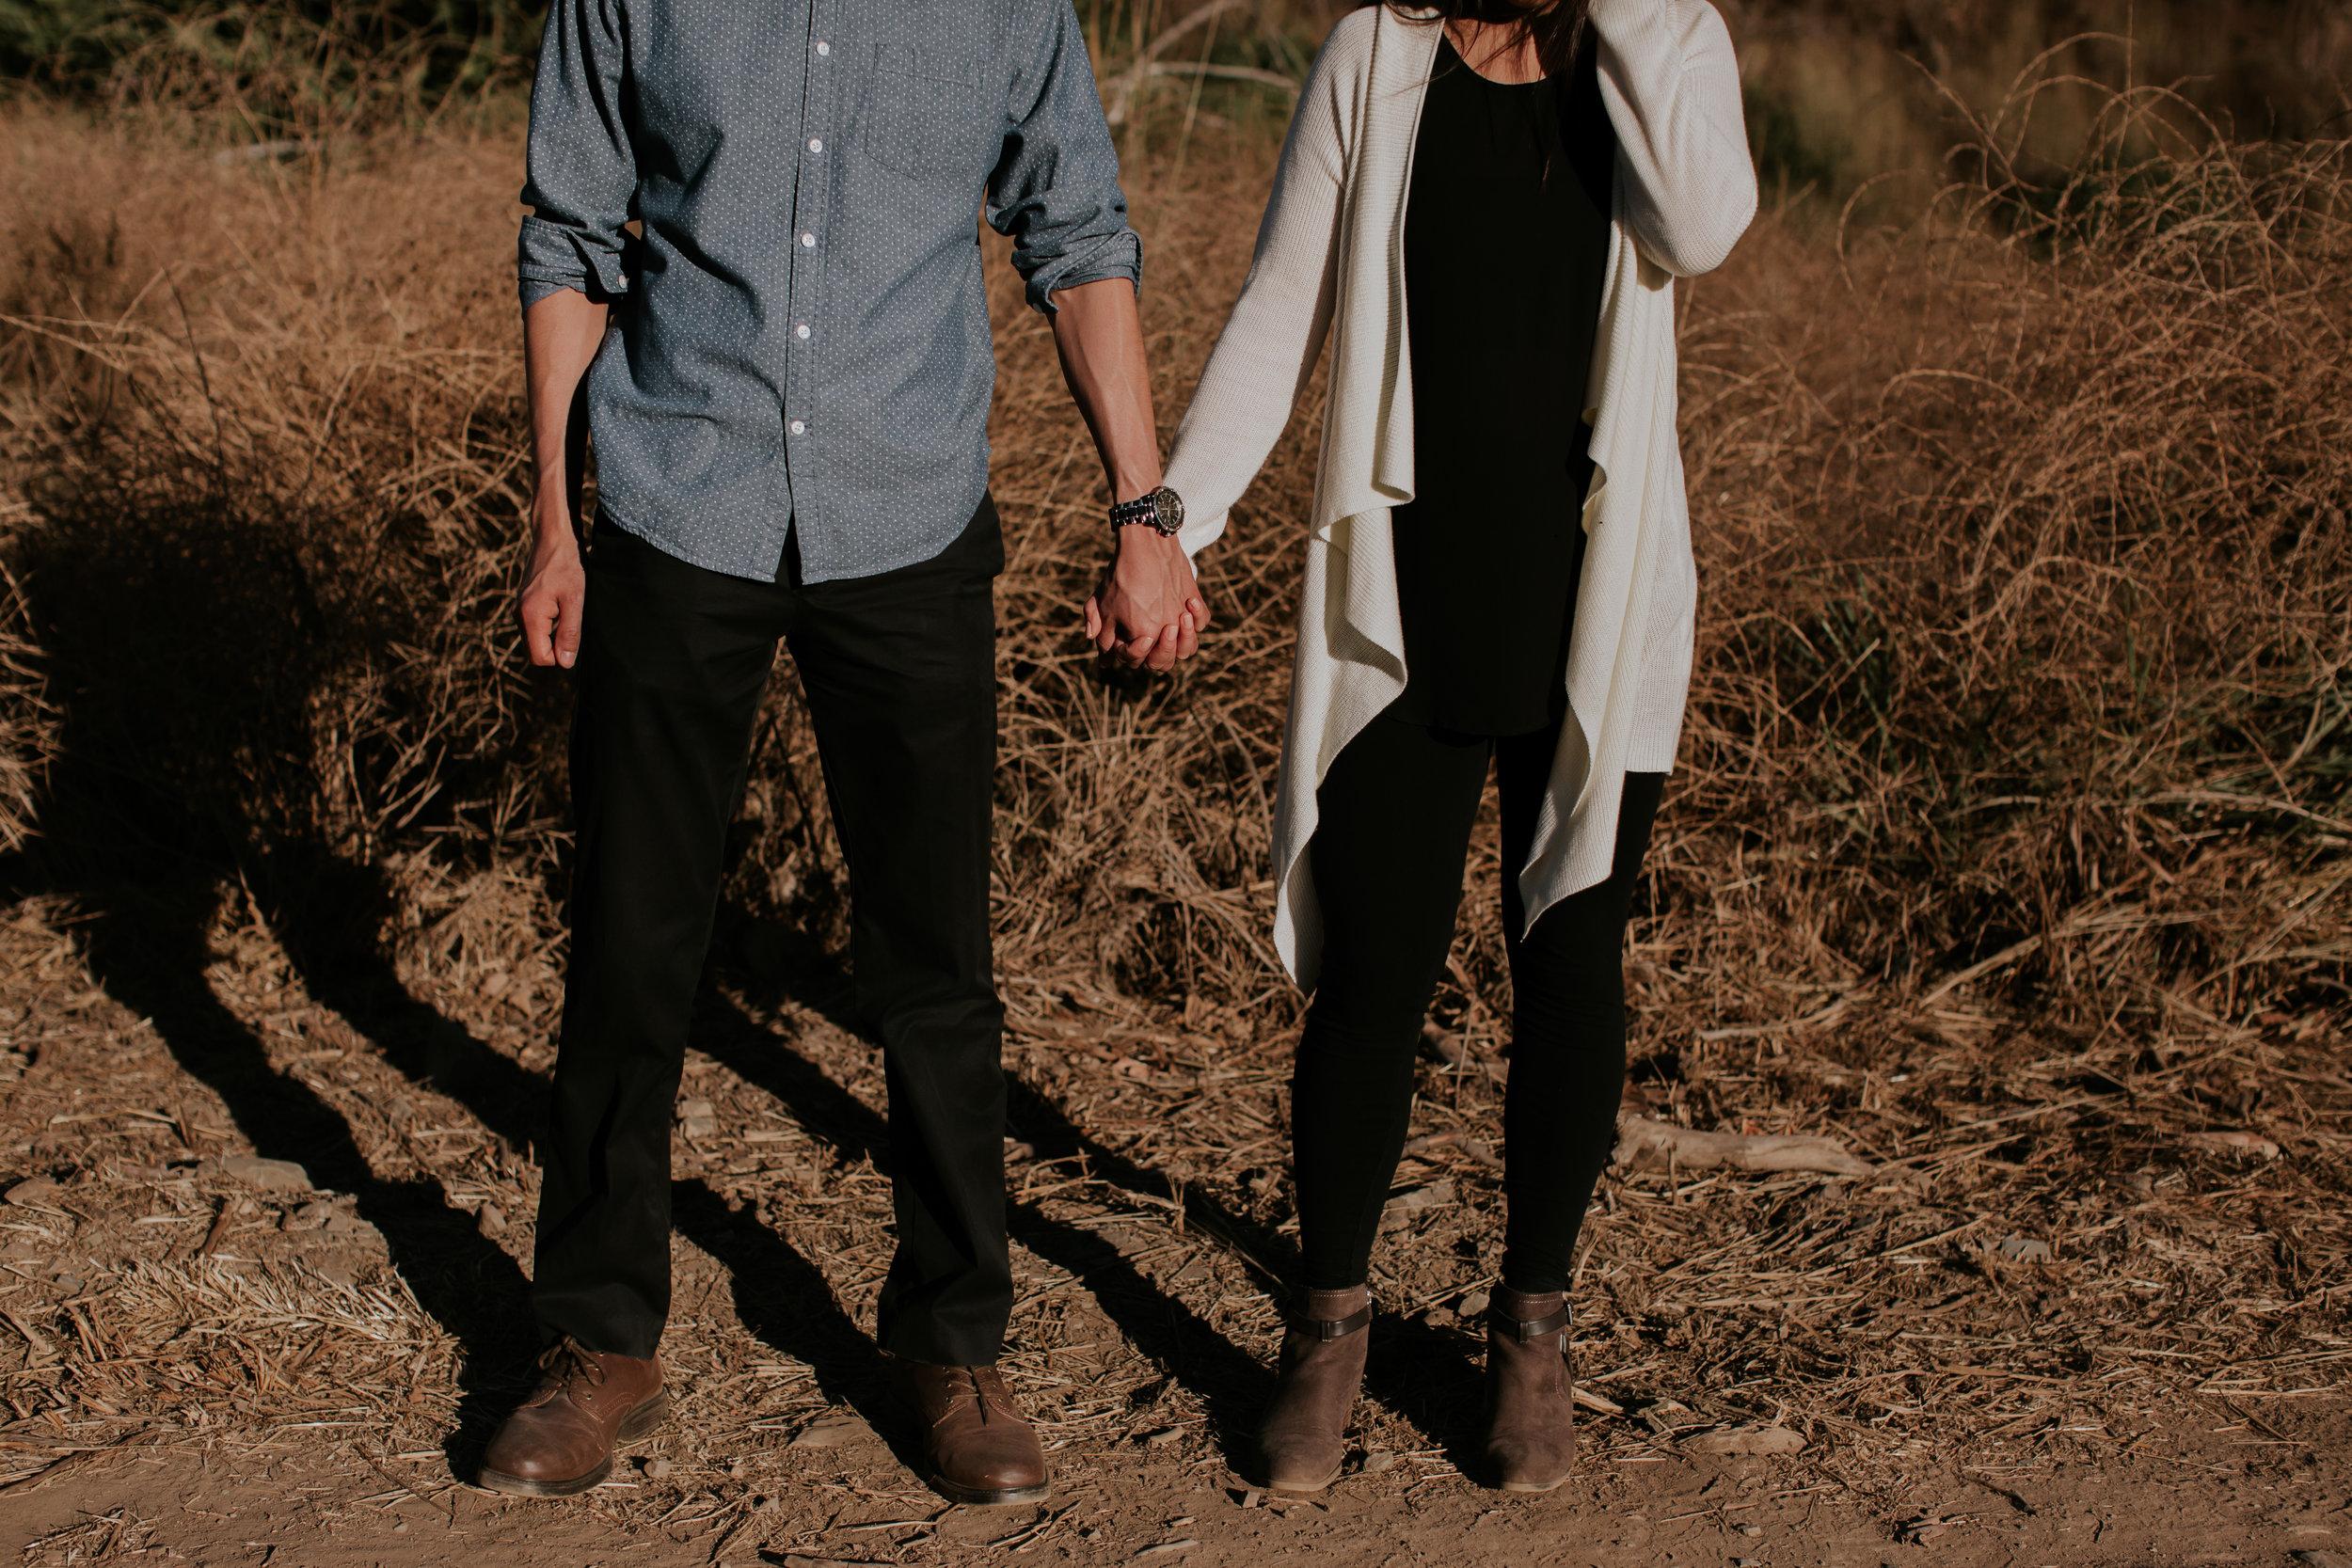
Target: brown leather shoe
(1530, 1405)
(980, 1447)
(1305, 1435)
(560, 1440)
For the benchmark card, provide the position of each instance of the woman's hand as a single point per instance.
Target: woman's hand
(1148, 611)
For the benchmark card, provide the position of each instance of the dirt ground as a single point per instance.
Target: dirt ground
(2091, 1340)
(2008, 850)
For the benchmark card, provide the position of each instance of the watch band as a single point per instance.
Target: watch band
(1163, 509)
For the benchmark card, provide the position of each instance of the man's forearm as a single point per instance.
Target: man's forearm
(1100, 337)
(561, 335)
(1148, 609)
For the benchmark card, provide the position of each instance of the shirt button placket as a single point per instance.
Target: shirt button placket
(817, 95)
(809, 194)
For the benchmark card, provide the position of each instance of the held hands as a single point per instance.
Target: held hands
(556, 590)
(1148, 611)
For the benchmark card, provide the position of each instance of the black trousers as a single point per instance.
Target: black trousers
(901, 675)
(1395, 817)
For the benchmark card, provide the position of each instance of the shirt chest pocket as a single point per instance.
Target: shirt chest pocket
(924, 116)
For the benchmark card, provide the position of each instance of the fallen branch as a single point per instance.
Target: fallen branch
(1475, 1148)
(1124, 88)
(76, 1463)
(1454, 1055)
(1274, 79)
(1642, 1144)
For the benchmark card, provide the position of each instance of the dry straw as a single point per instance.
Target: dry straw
(2007, 846)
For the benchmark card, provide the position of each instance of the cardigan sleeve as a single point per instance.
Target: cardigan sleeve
(1268, 348)
(1672, 85)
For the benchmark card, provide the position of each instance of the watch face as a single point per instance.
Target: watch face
(1168, 508)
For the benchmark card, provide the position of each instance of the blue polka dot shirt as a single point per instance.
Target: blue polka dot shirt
(780, 199)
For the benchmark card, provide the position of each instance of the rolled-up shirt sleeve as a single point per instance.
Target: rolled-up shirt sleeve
(1055, 189)
(582, 170)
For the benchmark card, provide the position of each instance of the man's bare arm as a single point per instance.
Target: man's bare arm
(1148, 609)
(561, 334)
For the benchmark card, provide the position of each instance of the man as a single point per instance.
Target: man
(787, 371)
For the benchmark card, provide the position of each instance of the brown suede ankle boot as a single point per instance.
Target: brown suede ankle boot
(1530, 1408)
(1305, 1435)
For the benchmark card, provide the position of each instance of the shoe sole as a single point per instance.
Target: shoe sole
(1305, 1488)
(990, 1497)
(639, 1423)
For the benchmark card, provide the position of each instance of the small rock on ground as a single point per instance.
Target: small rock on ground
(270, 1176)
(832, 1432)
(1744, 1440)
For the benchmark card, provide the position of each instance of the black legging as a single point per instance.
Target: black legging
(1396, 811)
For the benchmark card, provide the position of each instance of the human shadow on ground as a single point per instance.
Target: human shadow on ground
(1414, 1369)
(1418, 1371)
(197, 646)
(1230, 1382)
(779, 1295)
(148, 948)
(190, 643)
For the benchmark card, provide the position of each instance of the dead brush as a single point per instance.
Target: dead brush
(261, 508)
(2028, 592)
(2023, 558)
(2006, 846)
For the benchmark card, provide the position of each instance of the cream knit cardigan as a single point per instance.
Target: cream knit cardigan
(1331, 257)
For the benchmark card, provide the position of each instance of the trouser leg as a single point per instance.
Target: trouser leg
(670, 675)
(900, 674)
(1395, 812)
(1567, 1026)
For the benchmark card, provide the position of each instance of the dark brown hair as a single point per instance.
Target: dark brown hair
(1556, 25)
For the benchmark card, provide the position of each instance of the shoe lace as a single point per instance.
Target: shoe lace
(568, 1359)
(979, 1385)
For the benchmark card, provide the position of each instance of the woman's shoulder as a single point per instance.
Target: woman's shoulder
(1692, 23)
(1348, 46)
(1357, 38)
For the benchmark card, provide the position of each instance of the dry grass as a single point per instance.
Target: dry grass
(1841, 92)
(2008, 847)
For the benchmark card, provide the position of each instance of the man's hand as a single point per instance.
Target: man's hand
(560, 335)
(554, 595)
(1148, 611)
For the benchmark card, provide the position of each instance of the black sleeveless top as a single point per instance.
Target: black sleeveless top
(1506, 247)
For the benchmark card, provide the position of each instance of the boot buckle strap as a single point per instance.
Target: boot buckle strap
(1525, 1329)
(1325, 1330)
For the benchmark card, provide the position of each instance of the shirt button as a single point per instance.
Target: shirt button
(816, 144)
(824, 48)
(801, 330)
(808, 242)
(798, 428)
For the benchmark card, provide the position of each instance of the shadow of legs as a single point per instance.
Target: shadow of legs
(788, 1303)
(148, 948)
(1193, 1352)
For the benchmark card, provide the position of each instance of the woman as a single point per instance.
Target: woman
(1484, 209)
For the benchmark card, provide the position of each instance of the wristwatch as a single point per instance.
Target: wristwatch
(1163, 507)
